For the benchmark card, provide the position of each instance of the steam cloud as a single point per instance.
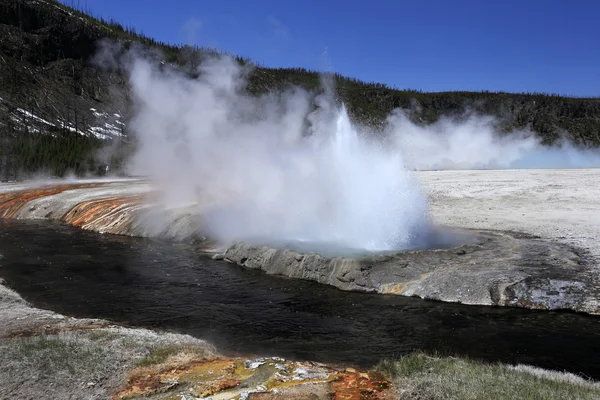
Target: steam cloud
(272, 168)
(473, 143)
(275, 167)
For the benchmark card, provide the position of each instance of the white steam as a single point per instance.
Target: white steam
(273, 169)
(474, 143)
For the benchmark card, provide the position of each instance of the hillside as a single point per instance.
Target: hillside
(57, 109)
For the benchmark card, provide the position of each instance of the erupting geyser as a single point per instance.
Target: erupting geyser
(376, 204)
(273, 169)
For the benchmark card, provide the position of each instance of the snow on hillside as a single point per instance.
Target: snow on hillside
(106, 126)
(112, 126)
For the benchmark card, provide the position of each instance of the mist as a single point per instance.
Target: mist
(269, 167)
(473, 142)
(292, 166)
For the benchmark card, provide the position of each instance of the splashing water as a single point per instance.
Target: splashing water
(379, 205)
(342, 190)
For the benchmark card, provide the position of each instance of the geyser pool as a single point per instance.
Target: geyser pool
(434, 238)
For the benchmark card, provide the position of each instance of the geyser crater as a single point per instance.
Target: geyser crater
(437, 238)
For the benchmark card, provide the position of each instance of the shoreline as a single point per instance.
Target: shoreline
(554, 270)
(97, 359)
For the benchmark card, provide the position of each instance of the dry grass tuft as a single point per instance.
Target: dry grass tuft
(425, 377)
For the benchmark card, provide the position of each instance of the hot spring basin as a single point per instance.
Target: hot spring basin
(436, 238)
(488, 268)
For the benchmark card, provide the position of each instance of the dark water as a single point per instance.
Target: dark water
(154, 284)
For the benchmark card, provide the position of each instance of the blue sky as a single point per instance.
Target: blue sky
(434, 45)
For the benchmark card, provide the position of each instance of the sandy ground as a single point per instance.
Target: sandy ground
(561, 205)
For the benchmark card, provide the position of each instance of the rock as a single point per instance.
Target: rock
(496, 268)
(264, 378)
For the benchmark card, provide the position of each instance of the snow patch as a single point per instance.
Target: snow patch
(34, 117)
(112, 126)
(109, 125)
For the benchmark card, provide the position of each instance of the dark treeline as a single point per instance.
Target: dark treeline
(47, 72)
(27, 154)
(552, 117)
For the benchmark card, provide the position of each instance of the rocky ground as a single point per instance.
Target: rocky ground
(560, 205)
(493, 268)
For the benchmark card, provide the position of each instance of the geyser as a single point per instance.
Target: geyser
(272, 168)
(275, 168)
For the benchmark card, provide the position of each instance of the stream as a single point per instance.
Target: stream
(156, 284)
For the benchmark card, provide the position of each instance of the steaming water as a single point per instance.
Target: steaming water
(336, 188)
(274, 168)
(154, 284)
(380, 206)
(437, 238)
(367, 200)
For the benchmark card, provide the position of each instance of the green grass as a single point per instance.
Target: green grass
(424, 377)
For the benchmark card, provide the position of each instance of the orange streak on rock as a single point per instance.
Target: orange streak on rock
(145, 382)
(91, 211)
(228, 377)
(11, 203)
(356, 385)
